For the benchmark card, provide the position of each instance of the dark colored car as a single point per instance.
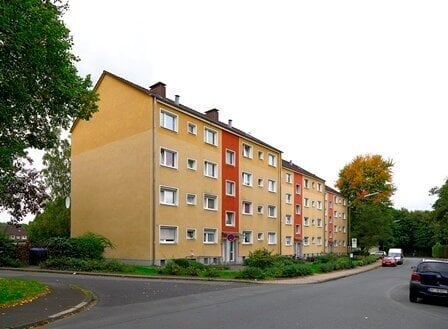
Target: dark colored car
(429, 279)
(389, 261)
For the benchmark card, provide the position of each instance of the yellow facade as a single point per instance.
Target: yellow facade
(313, 216)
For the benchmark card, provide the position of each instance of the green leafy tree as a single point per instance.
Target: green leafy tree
(441, 212)
(367, 184)
(40, 93)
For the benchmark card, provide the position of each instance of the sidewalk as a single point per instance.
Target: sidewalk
(64, 300)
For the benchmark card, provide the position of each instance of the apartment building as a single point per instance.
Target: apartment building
(336, 221)
(163, 181)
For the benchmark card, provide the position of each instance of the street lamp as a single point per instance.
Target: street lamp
(349, 238)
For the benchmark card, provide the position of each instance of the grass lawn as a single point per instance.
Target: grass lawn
(14, 292)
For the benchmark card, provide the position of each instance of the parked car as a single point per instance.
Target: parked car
(388, 261)
(379, 254)
(397, 253)
(429, 279)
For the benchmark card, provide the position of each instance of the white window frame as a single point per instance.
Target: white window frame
(288, 198)
(298, 209)
(194, 162)
(306, 241)
(260, 209)
(260, 236)
(247, 178)
(163, 114)
(171, 228)
(247, 151)
(298, 189)
(260, 182)
(194, 199)
(162, 200)
(192, 128)
(230, 157)
(210, 136)
(288, 178)
(163, 158)
(210, 169)
(230, 188)
(288, 219)
(288, 240)
(306, 202)
(207, 198)
(206, 235)
(193, 230)
(272, 238)
(272, 211)
(306, 221)
(306, 183)
(260, 155)
(298, 229)
(272, 186)
(247, 237)
(243, 208)
(232, 217)
(272, 160)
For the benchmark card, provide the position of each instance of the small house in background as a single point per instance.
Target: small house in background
(16, 233)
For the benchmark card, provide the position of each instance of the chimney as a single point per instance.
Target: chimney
(158, 89)
(230, 123)
(213, 114)
(176, 99)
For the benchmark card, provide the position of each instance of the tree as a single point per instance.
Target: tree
(367, 184)
(55, 219)
(40, 93)
(440, 213)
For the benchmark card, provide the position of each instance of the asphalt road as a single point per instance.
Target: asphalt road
(371, 300)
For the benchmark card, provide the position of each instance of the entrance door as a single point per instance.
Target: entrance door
(298, 249)
(229, 251)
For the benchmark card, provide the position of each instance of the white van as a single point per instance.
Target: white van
(396, 253)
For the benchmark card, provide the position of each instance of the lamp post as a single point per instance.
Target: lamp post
(349, 238)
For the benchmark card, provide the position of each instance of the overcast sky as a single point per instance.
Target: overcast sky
(323, 81)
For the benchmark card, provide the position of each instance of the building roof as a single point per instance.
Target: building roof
(292, 166)
(16, 230)
(185, 109)
(332, 190)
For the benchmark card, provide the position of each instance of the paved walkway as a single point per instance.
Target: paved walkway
(65, 300)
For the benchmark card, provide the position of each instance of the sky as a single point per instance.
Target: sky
(323, 81)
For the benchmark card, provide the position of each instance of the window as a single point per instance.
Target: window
(298, 189)
(319, 222)
(319, 187)
(288, 219)
(272, 238)
(319, 241)
(306, 241)
(247, 179)
(209, 235)
(191, 164)
(272, 160)
(168, 158)
(247, 151)
(272, 211)
(306, 221)
(168, 195)
(298, 209)
(230, 218)
(191, 234)
(260, 155)
(260, 182)
(191, 199)
(260, 209)
(319, 205)
(306, 202)
(230, 157)
(210, 202)
(210, 136)
(247, 237)
(210, 169)
(168, 120)
(272, 185)
(260, 236)
(230, 188)
(247, 207)
(307, 184)
(191, 128)
(288, 241)
(168, 234)
(288, 198)
(298, 229)
(288, 178)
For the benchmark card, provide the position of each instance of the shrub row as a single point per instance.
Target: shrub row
(85, 265)
(188, 267)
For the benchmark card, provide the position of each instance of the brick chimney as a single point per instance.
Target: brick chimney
(158, 89)
(213, 114)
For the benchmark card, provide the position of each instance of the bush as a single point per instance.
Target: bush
(261, 258)
(325, 267)
(294, 270)
(85, 265)
(252, 273)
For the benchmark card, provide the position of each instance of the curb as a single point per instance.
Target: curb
(89, 300)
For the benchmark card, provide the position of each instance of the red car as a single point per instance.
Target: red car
(389, 261)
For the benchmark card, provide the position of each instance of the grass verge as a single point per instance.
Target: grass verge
(17, 292)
